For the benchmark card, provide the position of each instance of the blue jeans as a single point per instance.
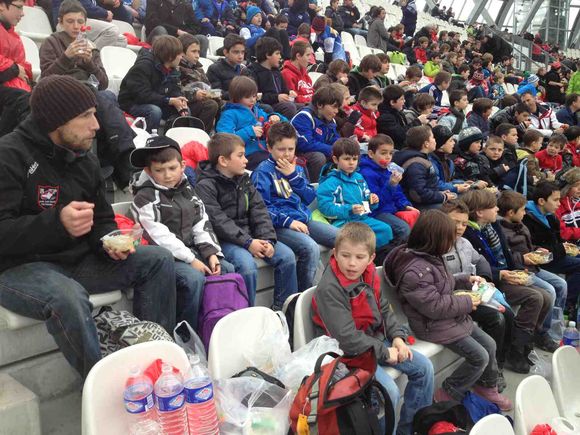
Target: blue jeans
(419, 390)
(152, 114)
(189, 287)
(401, 229)
(558, 290)
(306, 248)
(59, 295)
(283, 262)
(570, 266)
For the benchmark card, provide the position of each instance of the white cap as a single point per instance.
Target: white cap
(571, 324)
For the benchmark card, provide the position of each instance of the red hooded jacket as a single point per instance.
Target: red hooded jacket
(12, 52)
(569, 215)
(367, 124)
(298, 81)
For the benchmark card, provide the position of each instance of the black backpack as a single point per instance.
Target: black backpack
(452, 411)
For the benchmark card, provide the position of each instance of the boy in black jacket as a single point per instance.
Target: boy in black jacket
(241, 220)
(221, 73)
(545, 229)
(269, 79)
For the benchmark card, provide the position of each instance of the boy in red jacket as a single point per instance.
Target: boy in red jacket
(569, 211)
(421, 50)
(295, 72)
(369, 99)
(571, 152)
(550, 158)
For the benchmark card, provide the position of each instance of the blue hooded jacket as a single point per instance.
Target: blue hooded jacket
(283, 211)
(331, 43)
(391, 198)
(239, 120)
(214, 11)
(438, 166)
(420, 181)
(314, 134)
(255, 32)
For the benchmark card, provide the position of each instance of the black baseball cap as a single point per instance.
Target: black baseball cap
(154, 144)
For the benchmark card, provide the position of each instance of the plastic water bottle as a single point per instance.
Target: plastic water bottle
(146, 427)
(201, 411)
(170, 402)
(571, 336)
(138, 397)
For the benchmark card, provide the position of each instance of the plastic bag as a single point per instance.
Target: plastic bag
(141, 134)
(252, 406)
(541, 366)
(192, 346)
(557, 327)
(274, 351)
(302, 362)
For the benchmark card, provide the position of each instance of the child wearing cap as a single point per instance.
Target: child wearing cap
(328, 39)
(469, 163)
(173, 217)
(253, 30)
(443, 165)
(477, 86)
(569, 211)
(530, 86)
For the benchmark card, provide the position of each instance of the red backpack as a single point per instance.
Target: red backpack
(339, 400)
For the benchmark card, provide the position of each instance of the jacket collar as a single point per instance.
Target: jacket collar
(368, 276)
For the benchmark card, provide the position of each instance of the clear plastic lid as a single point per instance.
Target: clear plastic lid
(571, 324)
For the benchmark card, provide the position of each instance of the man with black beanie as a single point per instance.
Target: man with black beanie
(53, 216)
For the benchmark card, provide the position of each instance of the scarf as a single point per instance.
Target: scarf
(460, 119)
(494, 245)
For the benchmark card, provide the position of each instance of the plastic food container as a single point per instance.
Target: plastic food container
(215, 93)
(485, 289)
(122, 240)
(541, 257)
(524, 278)
(571, 249)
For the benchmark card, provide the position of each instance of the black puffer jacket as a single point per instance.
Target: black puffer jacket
(270, 82)
(173, 15)
(38, 180)
(234, 205)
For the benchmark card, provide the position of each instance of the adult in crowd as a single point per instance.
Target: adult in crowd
(15, 71)
(102, 32)
(175, 18)
(53, 215)
(350, 17)
(61, 53)
(542, 117)
(331, 13)
(297, 14)
(378, 36)
(570, 113)
(409, 20)
(555, 88)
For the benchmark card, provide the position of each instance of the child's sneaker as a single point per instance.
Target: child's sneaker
(441, 396)
(491, 394)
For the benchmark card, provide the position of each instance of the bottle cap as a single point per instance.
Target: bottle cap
(572, 324)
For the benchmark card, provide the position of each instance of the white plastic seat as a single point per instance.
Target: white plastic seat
(495, 424)
(236, 335)
(102, 408)
(215, 43)
(364, 50)
(32, 55)
(303, 325)
(34, 24)
(314, 76)
(183, 135)
(346, 38)
(360, 40)
(205, 63)
(535, 404)
(125, 27)
(117, 62)
(566, 382)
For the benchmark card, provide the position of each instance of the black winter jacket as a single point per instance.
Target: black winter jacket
(173, 15)
(544, 237)
(235, 207)
(221, 73)
(270, 82)
(38, 180)
(393, 123)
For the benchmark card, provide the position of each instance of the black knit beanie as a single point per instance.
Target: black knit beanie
(56, 100)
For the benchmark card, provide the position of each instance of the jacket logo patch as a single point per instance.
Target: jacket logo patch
(319, 131)
(47, 196)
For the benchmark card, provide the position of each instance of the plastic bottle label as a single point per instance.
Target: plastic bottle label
(139, 406)
(199, 395)
(570, 341)
(170, 403)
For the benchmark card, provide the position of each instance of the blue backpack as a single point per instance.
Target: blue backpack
(478, 407)
(516, 178)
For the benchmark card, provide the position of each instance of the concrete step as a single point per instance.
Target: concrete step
(19, 410)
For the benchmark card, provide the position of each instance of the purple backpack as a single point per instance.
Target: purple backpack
(222, 295)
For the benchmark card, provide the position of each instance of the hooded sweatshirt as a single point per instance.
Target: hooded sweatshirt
(569, 215)
(269, 80)
(545, 230)
(11, 55)
(367, 124)
(299, 81)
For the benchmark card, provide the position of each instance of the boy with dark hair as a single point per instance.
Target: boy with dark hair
(269, 79)
(487, 238)
(382, 78)
(512, 208)
(496, 166)
(442, 163)
(550, 158)
(459, 79)
(440, 83)
(517, 114)
(571, 151)
(393, 208)
(295, 72)
(221, 73)
(420, 181)
(241, 220)
(433, 66)
(545, 229)
(455, 121)
(173, 217)
(316, 129)
(347, 291)
(469, 163)
(509, 134)
(392, 120)
(287, 194)
(343, 194)
(369, 99)
(364, 74)
(421, 110)
(479, 115)
(421, 50)
(531, 144)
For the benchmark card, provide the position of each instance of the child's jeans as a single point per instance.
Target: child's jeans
(307, 249)
(400, 228)
(189, 289)
(479, 366)
(283, 262)
(382, 230)
(419, 390)
(558, 290)
(571, 267)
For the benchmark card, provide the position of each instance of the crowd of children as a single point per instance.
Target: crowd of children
(379, 172)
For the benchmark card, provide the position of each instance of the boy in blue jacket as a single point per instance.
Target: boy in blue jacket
(316, 129)
(253, 31)
(393, 207)
(287, 194)
(244, 118)
(344, 196)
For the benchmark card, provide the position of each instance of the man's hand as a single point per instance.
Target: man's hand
(299, 226)
(373, 199)
(396, 178)
(403, 350)
(179, 103)
(77, 218)
(358, 209)
(258, 130)
(198, 265)
(214, 265)
(286, 167)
